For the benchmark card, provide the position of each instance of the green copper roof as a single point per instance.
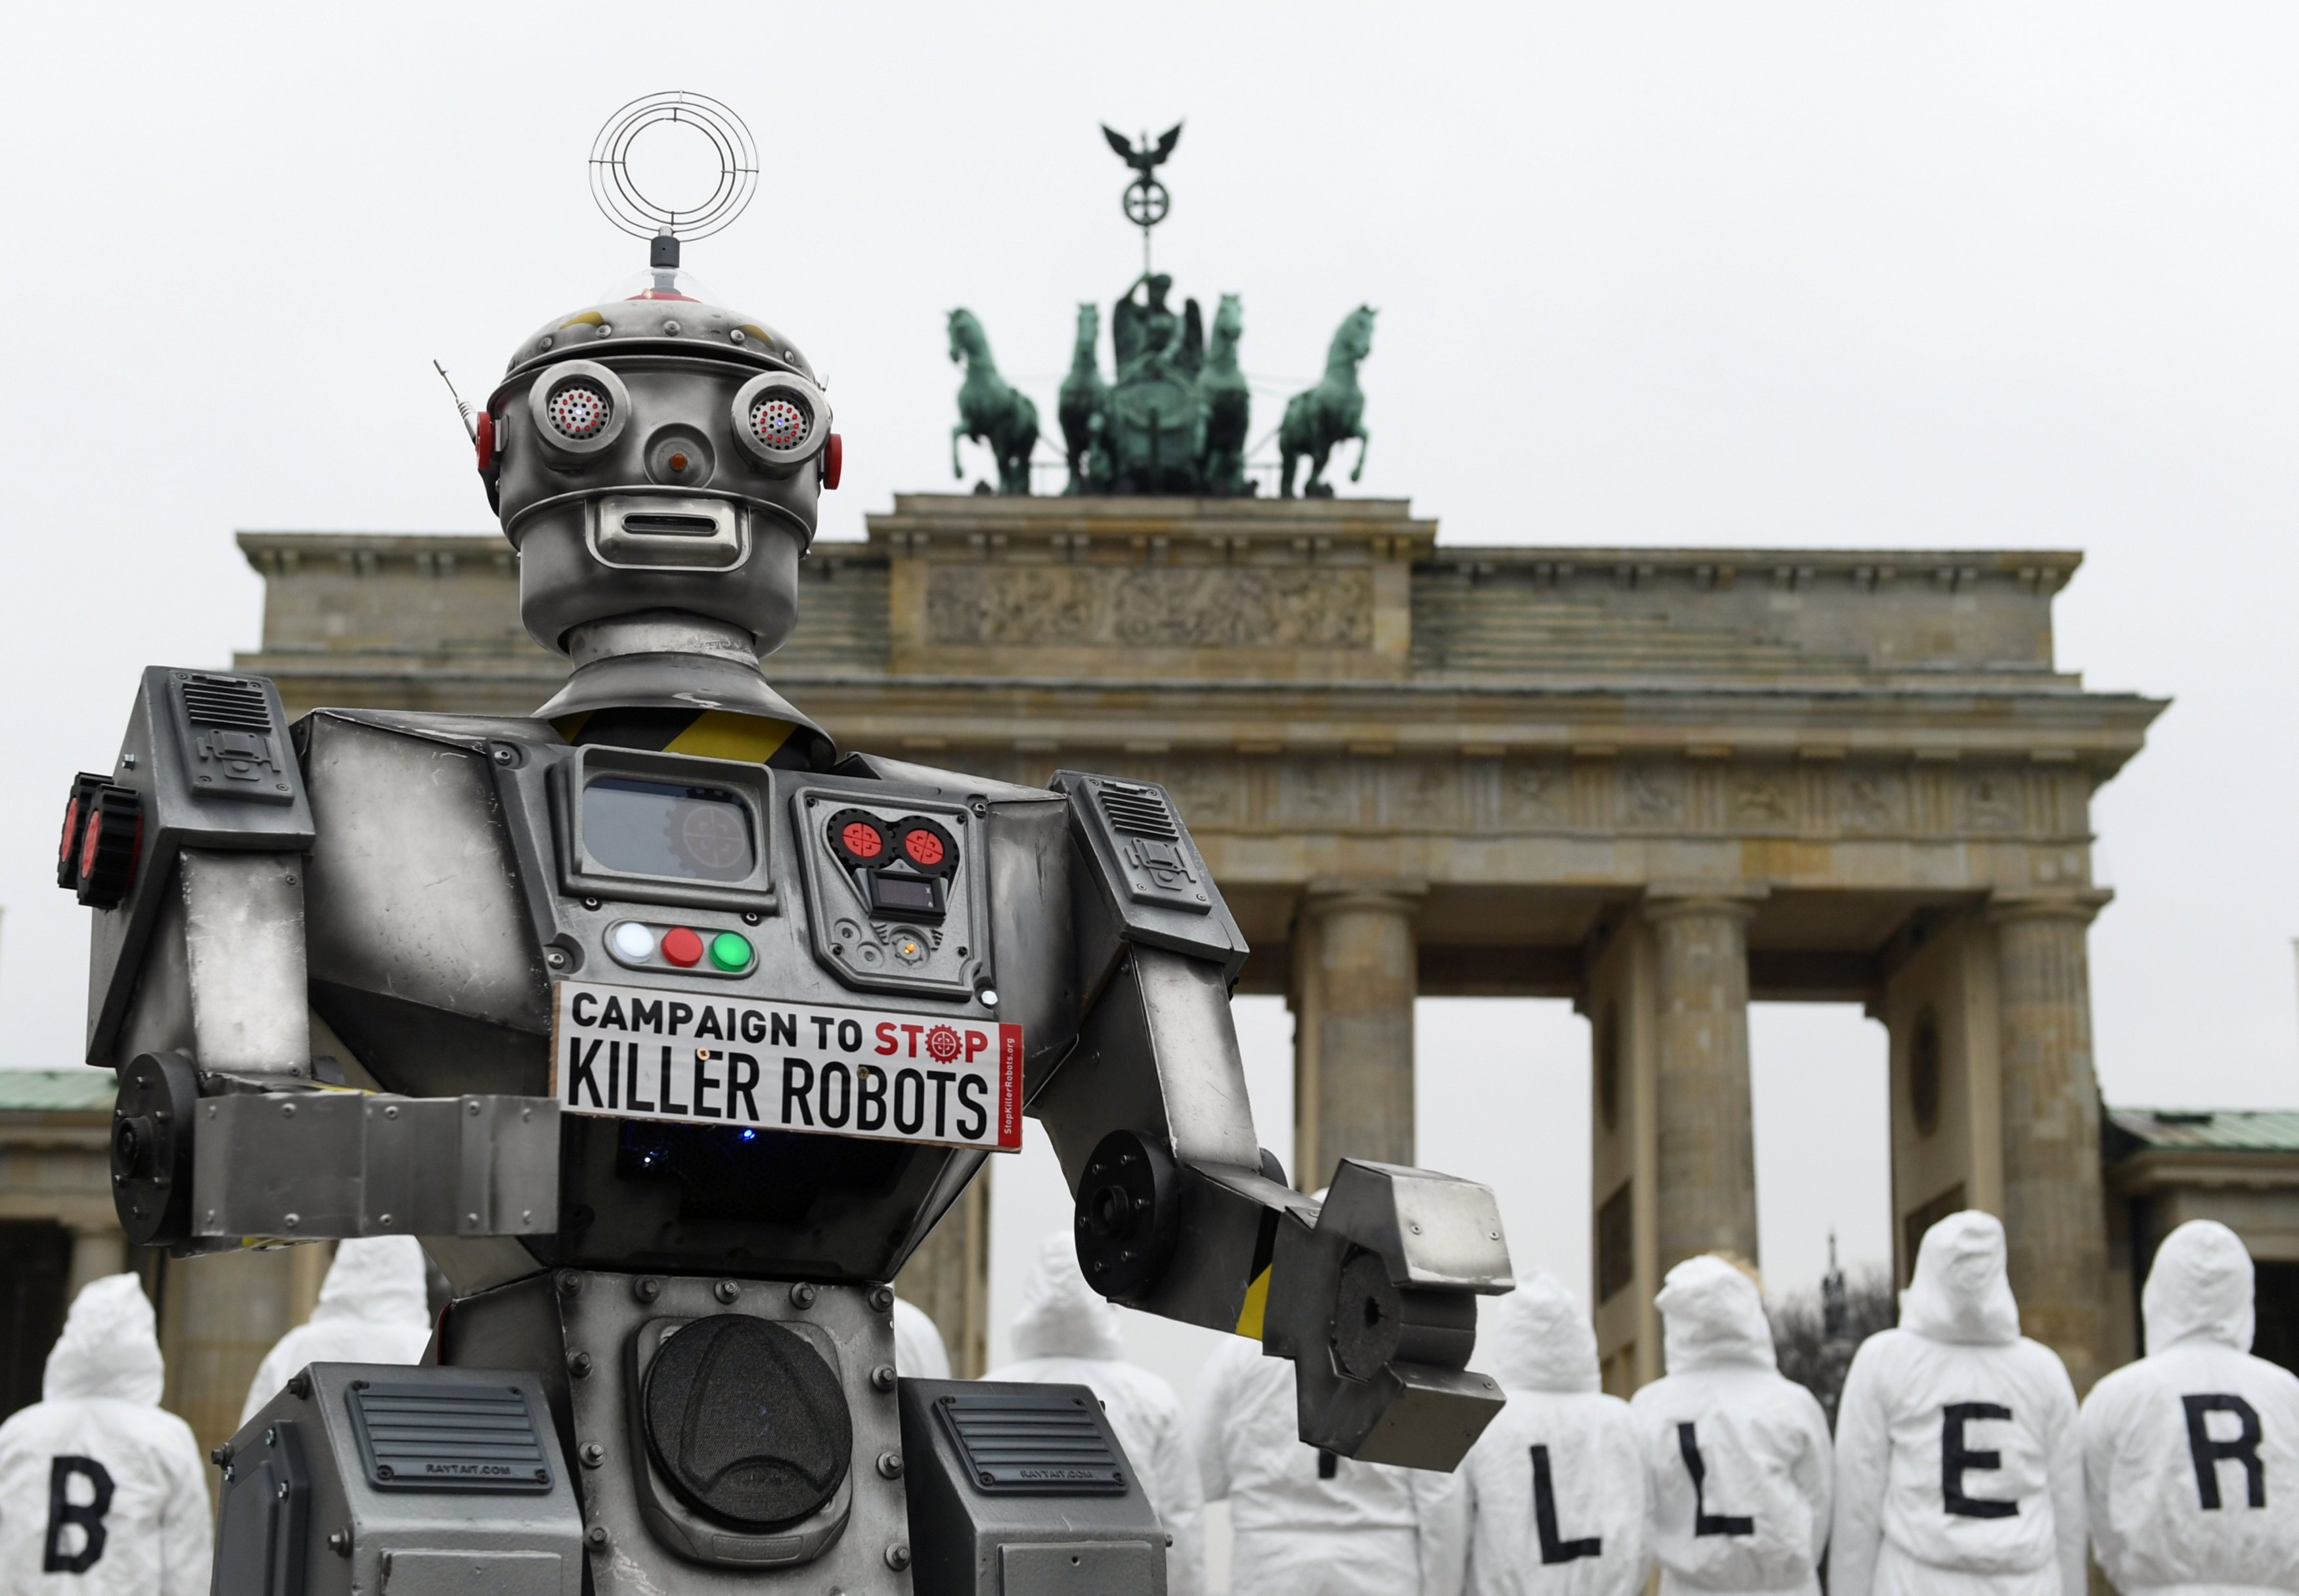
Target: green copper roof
(81, 1091)
(2211, 1130)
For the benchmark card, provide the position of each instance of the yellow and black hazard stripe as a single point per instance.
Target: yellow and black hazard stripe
(709, 734)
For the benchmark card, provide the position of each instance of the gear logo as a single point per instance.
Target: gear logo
(942, 1042)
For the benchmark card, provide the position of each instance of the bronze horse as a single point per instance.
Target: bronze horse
(1332, 413)
(990, 412)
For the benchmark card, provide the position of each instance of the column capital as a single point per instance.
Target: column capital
(1323, 895)
(1719, 902)
(2079, 904)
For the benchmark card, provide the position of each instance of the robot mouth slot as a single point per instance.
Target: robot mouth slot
(640, 532)
(669, 525)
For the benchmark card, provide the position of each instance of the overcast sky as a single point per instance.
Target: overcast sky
(1966, 275)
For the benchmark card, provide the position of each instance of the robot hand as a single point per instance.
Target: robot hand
(1375, 1303)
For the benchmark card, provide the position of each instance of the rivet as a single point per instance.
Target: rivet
(898, 1556)
(882, 1297)
(545, 344)
(471, 1105)
(883, 1377)
(472, 1219)
(392, 1112)
(1416, 1230)
(736, 333)
(646, 1290)
(570, 1284)
(802, 1296)
(557, 960)
(282, 1491)
(272, 1436)
(293, 1220)
(726, 1290)
(670, 329)
(385, 1221)
(287, 1111)
(890, 1465)
(596, 1537)
(579, 1366)
(590, 902)
(593, 1454)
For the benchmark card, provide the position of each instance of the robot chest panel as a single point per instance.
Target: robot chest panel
(708, 924)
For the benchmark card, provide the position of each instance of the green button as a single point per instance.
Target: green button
(730, 952)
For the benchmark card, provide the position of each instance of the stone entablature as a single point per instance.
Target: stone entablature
(1662, 782)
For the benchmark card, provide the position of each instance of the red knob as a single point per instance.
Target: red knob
(833, 461)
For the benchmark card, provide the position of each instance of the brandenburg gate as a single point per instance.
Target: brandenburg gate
(1662, 783)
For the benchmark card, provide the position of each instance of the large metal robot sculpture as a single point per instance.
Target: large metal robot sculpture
(672, 1031)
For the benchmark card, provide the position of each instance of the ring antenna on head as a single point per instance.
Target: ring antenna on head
(624, 205)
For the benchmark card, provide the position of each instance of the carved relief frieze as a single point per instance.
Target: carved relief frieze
(1106, 606)
(1871, 798)
(1760, 798)
(1988, 801)
(1319, 792)
(1422, 794)
(1652, 795)
(1210, 791)
(1537, 795)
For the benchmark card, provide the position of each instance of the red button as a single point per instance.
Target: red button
(681, 947)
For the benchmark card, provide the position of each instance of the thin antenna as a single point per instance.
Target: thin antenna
(471, 427)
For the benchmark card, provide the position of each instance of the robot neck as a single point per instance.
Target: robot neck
(668, 659)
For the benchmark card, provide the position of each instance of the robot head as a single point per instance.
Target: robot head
(659, 453)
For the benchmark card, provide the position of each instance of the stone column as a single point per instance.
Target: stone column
(1706, 1139)
(1355, 978)
(220, 1314)
(949, 1278)
(2054, 1211)
(96, 1251)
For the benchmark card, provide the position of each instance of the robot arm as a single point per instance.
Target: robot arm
(1181, 1213)
(194, 850)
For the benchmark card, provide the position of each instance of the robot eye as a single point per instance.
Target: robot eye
(779, 421)
(580, 408)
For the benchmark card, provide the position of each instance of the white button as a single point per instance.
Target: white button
(631, 942)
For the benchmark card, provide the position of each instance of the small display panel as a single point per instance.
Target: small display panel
(667, 828)
(896, 892)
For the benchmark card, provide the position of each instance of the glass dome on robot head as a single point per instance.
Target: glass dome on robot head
(657, 453)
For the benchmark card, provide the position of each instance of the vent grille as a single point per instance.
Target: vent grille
(415, 1436)
(224, 704)
(1049, 1444)
(1139, 811)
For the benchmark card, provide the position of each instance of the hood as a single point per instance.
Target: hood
(1960, 1291)
(1542, 1340)
(109, 1348)
(1712, 1313)
(379, 1279)
(1061, 1316)
(2199, 1287)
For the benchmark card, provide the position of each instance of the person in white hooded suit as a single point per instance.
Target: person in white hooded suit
(374, 1308)
(1066, 1335)
(1553, 1490)
(1738, 1453)
(2191, 1455)
(1959, 1471)
(101, 1493)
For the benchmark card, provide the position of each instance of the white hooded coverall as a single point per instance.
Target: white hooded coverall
(101, 1493)
(1958, 1467)
(1554, 1490)
(1305, 1522)
(919, 1352)
(374, 1308)
(1738, 1453)
(2191, 1455)
(1066, 1335)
